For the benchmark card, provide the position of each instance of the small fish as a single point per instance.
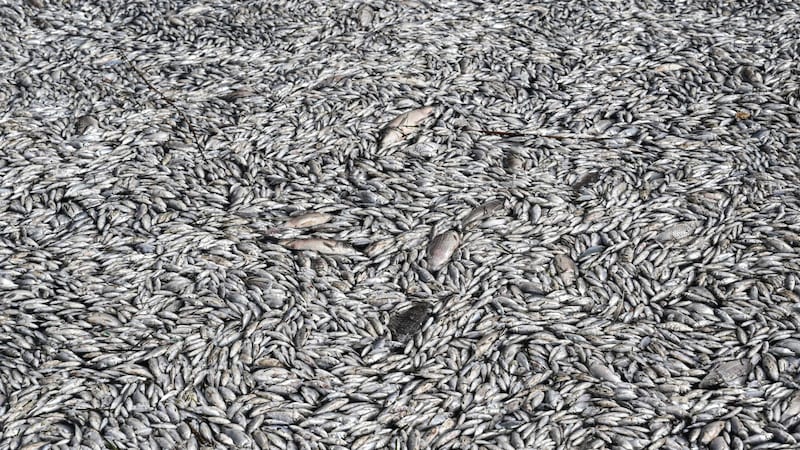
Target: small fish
(441, 248)
(482, 212)
(324, 246)
(307, 220)
(403, 125)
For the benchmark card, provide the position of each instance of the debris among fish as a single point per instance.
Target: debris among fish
(513, 162)
(586, 179)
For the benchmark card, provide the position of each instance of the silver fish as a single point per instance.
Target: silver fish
(324, 246)
(308, 220)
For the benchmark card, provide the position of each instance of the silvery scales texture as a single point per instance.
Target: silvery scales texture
(402, 224)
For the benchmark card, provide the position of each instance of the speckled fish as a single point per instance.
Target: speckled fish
(403, 125)
(677, 231)
(307, 220)
(482, 212)
(727, 373)
(407, 323)
(324, 246)
(441, 248)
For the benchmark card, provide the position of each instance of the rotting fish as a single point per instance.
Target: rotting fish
(566, 268)
(587, 179)
(307, 220)
(324, 246)
(407, 323)
(403, 125)
(728, 373)
(441, 248)
(678, 231)
(482, 212)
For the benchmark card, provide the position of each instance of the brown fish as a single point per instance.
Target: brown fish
(441, 248)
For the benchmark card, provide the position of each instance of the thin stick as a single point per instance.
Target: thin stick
(170, 102)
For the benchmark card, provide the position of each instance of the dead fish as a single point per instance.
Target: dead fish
(441, 248)
(513, 162)
(711, 431)
(566, 268)
(669, 67)
(727, 373)
(677, 231)
(586, 180)
(378, 247)
(324, 246)
(482, 212)
(307, 220)
(403, 125)
(84, 123)
(408, 322)
(365, 16)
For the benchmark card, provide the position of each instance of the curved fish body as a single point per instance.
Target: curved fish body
(403, 125)
(482, 212)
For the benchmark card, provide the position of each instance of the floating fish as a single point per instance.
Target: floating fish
(324, 246)
(441, 248)
(308, 220)
(482, 212)
(403, 125)
(408, 322)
